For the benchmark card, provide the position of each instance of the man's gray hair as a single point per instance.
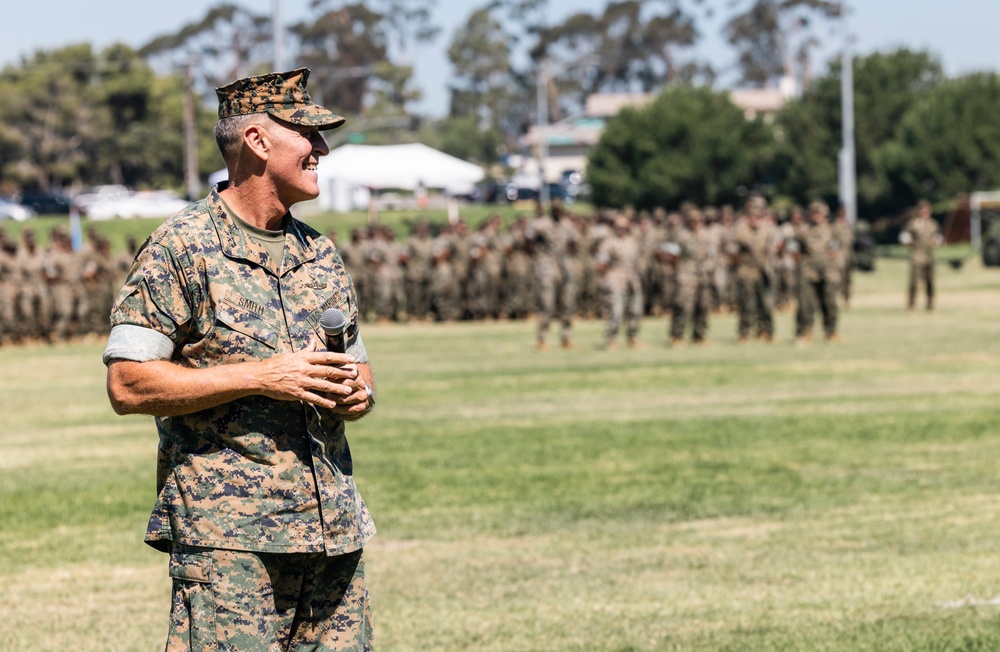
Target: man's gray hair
(229, 133)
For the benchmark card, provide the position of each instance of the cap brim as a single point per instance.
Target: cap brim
(311, 115)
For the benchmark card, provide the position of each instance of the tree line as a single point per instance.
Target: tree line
(77, 116)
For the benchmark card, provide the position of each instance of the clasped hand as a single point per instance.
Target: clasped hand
(324, 379)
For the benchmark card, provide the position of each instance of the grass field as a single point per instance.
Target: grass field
(756, 497)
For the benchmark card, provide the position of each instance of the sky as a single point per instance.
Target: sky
(960, 32)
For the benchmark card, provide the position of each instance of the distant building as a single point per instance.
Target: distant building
(570, 140)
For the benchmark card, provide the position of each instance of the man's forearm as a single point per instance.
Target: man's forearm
(162, 388)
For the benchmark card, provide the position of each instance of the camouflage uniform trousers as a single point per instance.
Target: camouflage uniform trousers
(816, 295)
(557, 292)
(921, 273)
(755, 303)
(622, 299)
(692, 303)
(65, 299)
(418, 298)
(9, 328)
(235, 601)
(35, 305)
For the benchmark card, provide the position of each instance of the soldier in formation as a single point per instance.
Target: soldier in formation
(921, 235)
(689, 265)
(57, 293)
(618, 265)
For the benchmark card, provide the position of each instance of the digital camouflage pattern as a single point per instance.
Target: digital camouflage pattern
(257, 473)
(693, 289)
(924, 235)
(818, 281)
(754, 248)
(282, 94)
(621, 287)
(234, 601)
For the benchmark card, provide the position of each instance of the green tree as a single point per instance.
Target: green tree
(483, 89)
(947, 143)
(690, 144)
(886, 85)
(635, 45)
(465, 138)
(75, 117)
(771, 36)
(227, 43)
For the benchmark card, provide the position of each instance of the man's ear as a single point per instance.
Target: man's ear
(257, 140)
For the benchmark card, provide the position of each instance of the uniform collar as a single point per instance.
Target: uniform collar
(236, 244)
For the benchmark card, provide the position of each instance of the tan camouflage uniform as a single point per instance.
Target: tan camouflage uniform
(921, 234)
(618, 258)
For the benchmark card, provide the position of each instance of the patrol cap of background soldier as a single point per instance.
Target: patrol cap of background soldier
(818, 208)
(280, 94)
(755, 206)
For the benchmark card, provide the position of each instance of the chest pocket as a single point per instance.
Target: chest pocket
(244, 325)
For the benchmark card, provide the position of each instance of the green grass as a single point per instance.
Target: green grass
(755, 497)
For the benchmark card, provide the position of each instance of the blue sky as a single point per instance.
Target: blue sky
(961, 32)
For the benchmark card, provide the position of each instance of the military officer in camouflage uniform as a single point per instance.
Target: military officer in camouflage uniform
(9, 278)
(693, 294)
(751, 246)
(552, 239)
(819, 274)
(844, 232)
(217, 334)
(618, 262)
(921, 234)
(419, 252)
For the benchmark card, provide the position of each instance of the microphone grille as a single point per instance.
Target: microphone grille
(333, 321)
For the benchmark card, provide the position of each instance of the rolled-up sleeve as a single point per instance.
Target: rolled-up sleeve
(153, 310)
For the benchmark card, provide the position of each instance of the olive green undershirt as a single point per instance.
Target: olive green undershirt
(273, 242)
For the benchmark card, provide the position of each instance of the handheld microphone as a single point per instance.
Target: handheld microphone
(334, 324)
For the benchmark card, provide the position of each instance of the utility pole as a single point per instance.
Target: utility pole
(848, 168)
(278, 37)
(542, 128)
(193, 184)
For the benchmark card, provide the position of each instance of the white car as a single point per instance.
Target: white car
(147, 203)
(14, 211)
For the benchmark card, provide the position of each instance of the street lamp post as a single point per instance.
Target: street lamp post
(543, 121)
(545, 75)
(848, 170)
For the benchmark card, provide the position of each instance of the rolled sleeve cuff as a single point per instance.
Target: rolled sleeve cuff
(137, 343)
(357, 349)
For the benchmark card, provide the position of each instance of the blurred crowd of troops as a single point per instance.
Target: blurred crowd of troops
(55, 293)
(619, 266)
(556, 266)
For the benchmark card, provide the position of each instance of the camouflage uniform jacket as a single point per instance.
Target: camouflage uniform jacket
(254, 474)
(925, 234)
(693, 265)
(818, 246)
(620, 257)
(752, 248)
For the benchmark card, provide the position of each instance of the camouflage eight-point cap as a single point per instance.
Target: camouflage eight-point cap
(282, 94)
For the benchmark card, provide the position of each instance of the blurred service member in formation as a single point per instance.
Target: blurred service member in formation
(618, 264)
(751, 246)
(844, 232)
(217, 334)
(921, 234)
(693, 279)
(552, 239)
(817, 247)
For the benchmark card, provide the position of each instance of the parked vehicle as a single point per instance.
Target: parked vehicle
(147, 203)
(11, 210)
(46, 203)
